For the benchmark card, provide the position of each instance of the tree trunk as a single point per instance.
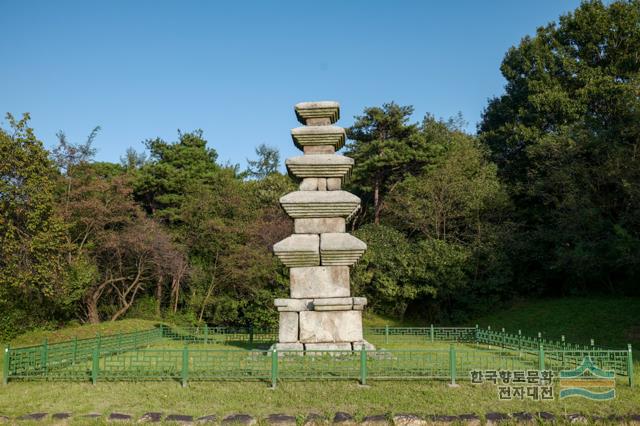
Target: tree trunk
(92, 310)
(159, 297)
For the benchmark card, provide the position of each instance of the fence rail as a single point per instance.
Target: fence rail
(131, 356)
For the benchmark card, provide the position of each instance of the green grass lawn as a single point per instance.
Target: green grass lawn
(612, 322)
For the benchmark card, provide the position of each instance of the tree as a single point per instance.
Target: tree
(566, 138)
(132, 159)
(267, 163)
(172, 170)
(382, 145)
(31, 233)
(453, 198)
(386, 148)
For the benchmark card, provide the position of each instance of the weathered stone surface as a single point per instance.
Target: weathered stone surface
(495, 418)
(293, 305)
(319, 281)
(314, 204)
(320, 166)
(546, 416)
(357, 346)
(319, 225)
(288, 330)
(327, 347)
(332, 301)
(523, 417)
(153, 417)
(120, 417)
(343, 418)
(340, 249)
(359, 300)
(576, 418)
(375, 420)
(280, 419)
(469, 419)
(243, 419)
(306, 111)
(408, 420)
(330, 327)
(333, 308)
(309, 184)
(33, 416)
(60, 416)
(318, 135)
(315, 419)
(179, 418)
(442, 419)
(322, 149)
(334, 184)
(289, 346)
(322, 184)
(211, 418)
(298, 250)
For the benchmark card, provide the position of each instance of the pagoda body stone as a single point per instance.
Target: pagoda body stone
(321, 314)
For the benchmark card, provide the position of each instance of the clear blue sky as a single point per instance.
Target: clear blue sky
(142, 69)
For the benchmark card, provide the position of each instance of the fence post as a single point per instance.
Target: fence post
(363, 365)
(206, 334)
(386, 334)
(274, 368)
(593, 343)
(452, 363)
(476, 334)
(95, 365)
(630, 365)
(185, 365)
(504, 339)
(541, 357)
(99, 341)
(45, 355)
(5, 366)
(432, 333)
(250, 336)
(520, 342)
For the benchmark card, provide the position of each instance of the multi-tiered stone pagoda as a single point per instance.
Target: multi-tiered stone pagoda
(321, 313)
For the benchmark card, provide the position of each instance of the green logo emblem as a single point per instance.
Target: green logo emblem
(588, 381)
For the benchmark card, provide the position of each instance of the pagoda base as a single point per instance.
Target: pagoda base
(323, 347)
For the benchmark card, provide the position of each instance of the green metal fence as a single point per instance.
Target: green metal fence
(132, 356)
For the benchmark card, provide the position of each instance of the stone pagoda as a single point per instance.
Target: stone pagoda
(321, 313)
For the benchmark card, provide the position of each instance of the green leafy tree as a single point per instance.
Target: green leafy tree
(173, 170)
(383, 145)
(31, 233)
(566, 136)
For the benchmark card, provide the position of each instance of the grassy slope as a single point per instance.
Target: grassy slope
(609, 321)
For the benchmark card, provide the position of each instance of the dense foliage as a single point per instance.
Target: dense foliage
(545, 199)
